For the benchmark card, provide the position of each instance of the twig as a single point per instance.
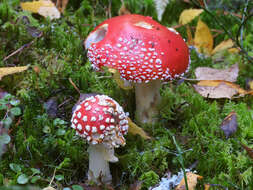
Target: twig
(52, 177)
(64, 102)
(180, 158)
(19, 49)
(189, 79)
(73, 84)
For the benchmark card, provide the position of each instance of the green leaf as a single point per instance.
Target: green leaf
(46, 129)
(34, 179)
(60, 132)
(58, 121)
(3, 107)
(15, 111)
(59, 177)
(14, 102)
(64, 163)
(15, 167)
(22, 179)
(7, 121)
(5, 139)
(35, 171)
(1, 179)
(77, 187)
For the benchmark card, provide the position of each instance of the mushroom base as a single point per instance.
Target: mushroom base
(99, 157)
(147, 99)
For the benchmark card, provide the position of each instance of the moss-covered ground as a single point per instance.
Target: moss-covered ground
(43, 144)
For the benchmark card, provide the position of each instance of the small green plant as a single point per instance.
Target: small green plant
(9, 107)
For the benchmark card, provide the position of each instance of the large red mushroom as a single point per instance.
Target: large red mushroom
(144, 52)
(102, 122)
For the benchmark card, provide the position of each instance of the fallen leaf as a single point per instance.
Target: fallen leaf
(203, 39)
(223, 45)
(207, 186)
(11, 70)
(188, 15)
(219, 89)
(121, 83)
(61, 5)
(233, 50)
(229, 124)
(135, 130)
(160, 6)
(45, 8)
(206, 73)
(136, 186)
(249, 150)
(191, 181)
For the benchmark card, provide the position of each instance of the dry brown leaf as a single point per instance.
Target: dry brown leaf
(190, 41)
(206, 73)
(11, 70)
(191, 181)
(249, 150)
(223, 45)
(135, 130)
(121, 83)
(203, 39)
(229, 124)
(188, 15)
(45, 8)
(219, 89)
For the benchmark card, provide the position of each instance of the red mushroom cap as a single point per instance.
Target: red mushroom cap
(100, 119)
(140, 48)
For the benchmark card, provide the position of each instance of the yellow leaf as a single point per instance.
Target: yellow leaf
(189, 36)
(223, 45)
(45, 8)
(218, 82)
(188, 15)
(233, 50)
(11, 70)
(207, 186)
(203, 39)
(191, 181)
(121, 83)
(135, 130)
(250, 83)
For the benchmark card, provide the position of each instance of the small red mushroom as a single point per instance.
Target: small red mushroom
(102, 122)
(144, 52)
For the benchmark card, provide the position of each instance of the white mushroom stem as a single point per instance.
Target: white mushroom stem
(99, 157)
(147, 97)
